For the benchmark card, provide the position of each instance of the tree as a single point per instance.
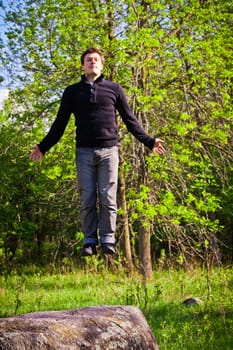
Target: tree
(175, 63)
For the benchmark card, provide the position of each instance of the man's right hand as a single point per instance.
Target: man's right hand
(36, 154)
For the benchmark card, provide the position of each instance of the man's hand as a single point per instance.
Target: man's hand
(158, 147)
(36, 154)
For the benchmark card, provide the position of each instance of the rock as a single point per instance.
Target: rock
(93, 328)
(192, 301)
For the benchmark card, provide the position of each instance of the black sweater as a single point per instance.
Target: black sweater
(94, 107)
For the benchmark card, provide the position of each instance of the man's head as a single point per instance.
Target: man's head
(90, 51)
(92, 61)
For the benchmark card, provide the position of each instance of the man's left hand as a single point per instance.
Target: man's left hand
(158, 147)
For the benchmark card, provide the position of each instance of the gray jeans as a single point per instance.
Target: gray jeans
(97, 172)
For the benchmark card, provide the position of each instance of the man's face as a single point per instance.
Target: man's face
(92, 64)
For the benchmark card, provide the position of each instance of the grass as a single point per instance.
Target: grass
(176, 327)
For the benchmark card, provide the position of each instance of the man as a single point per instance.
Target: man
(94, 102)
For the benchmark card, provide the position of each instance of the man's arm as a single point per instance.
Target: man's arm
(57, 129)
(134, 127)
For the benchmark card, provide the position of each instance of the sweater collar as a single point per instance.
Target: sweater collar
(100, 78)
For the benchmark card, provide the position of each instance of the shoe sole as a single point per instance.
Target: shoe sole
(108, 252)
(86, 253)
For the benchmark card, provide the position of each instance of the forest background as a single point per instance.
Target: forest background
(174, 60)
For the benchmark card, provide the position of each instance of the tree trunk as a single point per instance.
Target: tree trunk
(126, 233)
(145, 251)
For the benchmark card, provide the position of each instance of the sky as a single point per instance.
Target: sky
(3, 72)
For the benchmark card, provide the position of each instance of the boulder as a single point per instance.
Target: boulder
(192, 301)
(94, 328)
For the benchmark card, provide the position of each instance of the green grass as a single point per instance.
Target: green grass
(176, 327)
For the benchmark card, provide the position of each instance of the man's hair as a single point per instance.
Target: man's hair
(92, 50)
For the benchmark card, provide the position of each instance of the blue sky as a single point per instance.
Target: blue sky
(3, 73)
(3, 3)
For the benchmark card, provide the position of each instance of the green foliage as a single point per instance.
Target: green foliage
(35, 200)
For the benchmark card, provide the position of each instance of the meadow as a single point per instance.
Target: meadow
(206, 325)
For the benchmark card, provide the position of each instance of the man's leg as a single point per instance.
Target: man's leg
(107, 190)
(87, 180)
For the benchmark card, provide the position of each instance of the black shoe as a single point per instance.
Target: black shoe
(88, 250)
(108, 248)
